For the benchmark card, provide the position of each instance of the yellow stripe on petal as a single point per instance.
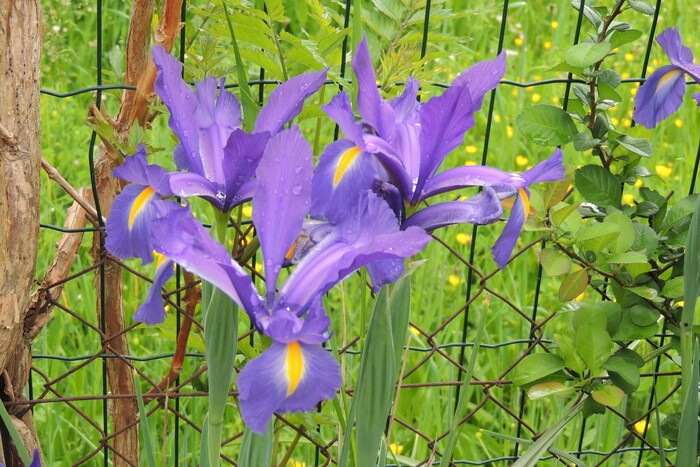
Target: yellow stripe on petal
(295, 366)
(526, 201)
(160, 259)
(668, 76)
(139, 204)
(345, 161)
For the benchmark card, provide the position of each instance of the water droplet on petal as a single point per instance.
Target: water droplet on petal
(297, 189)
(298, 170)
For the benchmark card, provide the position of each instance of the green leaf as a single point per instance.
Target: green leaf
(586, 54)
(584, 141)
(630, 356)
(597, 236)
(592, 341)
(554, 263)
(145, 426)
(257, 449)
(628, 257)
(608, 395)
(591, 407)
(546, 125)
(573, 285)
(674, 288)
(591, 15)
(598, 186)
(536, 366)
(557, 190)
(642, 7)
(565, 341)
(658, 200)
(626, 238)
(624, 37)
(644, 292)
(624, 374)
(639, 146)
(561, 213)
(610, 77)
(552, 388)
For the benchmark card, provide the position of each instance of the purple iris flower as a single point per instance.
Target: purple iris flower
(218, 161)
(397, 148)
(662, 92)
(295, 372)
(497, 183)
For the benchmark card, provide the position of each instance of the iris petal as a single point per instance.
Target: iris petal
(506, 242)
(659, 96)
(151, 310)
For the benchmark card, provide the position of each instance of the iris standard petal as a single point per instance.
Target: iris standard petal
(506, 242)
(343, 172)
(182, 104)
(152, 310)
(373, 109)
(549, 170)
(659, 96)
(368, 234)
(242, 155)
(136, 169)
(671, 42)
(482, 77)
(340, 110)
(282, 198)
(286, 378)
(406, 106)
(482, 208)
(129, 223)
(287, 101)
(181, 238)
(186, 184)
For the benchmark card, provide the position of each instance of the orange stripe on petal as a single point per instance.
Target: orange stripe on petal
(526, 201)
(139, 204)
(344, 163)
(295, 366)
(668, 76)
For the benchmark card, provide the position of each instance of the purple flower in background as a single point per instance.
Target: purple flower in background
(294, 373)
(662, 92)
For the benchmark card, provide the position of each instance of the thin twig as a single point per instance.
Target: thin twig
(68, 188)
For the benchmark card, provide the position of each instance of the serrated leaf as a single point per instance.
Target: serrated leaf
(553, 388)
(610, 77)
(573, 285)
(639, 146)
(609, 395)
(624, 37)
(586, 54)
(554, 263)
(598, 185)
(536, 366)
(546, 125)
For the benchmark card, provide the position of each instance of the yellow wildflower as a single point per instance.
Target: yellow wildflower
(509, 131)
(454, 280)
(521, 160)
(642, 426)
(536, 98)
(497, 118)
(469, 163)
(678, 123)
(629, 57)
(554, 24)
(547, 45)
(247, 211)
(663, 171)
(463, 238)
(625, 75)
(395, 448)
(638, 183)
(628, 199)
(615, 121)
(471, 149)
(518, 41)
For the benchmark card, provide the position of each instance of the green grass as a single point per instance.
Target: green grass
(533, 46)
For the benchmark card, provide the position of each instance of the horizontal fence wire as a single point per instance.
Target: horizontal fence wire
(43, 388)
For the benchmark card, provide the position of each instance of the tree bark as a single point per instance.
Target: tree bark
(21, 35)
